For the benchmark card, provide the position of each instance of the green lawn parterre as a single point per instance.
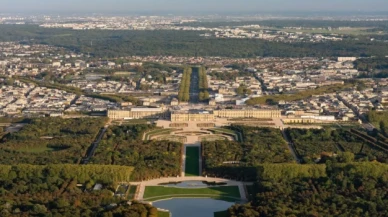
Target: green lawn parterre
(153, 193)
(163, 214)
(192, 161)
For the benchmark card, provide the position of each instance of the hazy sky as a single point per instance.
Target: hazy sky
(192, 5)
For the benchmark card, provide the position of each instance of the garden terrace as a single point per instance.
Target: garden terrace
(251, 119)
(192, 133)
(215, 138)
(156, 133)
(179, 125)
(227, 132)
(255, 124)
(205, 125)
(173, 138)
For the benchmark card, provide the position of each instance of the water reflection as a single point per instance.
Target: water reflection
(193, 207)
(192, 184)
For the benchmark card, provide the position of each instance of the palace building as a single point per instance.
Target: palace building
(138, 113)
(186, 116)
(234, 113)
(191, 115)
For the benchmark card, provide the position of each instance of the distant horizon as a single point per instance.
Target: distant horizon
(199, 13)
(193, 6)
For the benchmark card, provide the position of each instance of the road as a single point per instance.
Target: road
(365, 123)
(291, 146)
(279, 124)
(194, 86)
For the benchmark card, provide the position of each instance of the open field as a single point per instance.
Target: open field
(192, 161)
(132, 191)
(163, 214)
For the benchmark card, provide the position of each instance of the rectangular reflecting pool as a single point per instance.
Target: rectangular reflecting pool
(193, 207)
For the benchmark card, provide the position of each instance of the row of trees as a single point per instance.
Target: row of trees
(203, 85)
(356, 189)
(184, 89)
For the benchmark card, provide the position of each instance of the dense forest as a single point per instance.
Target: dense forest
(65, 190)
(321, 144)
(370, 64)
(237, 159)
(108, 43)
(124, 145)
(50, 140)
(357, 189)
(372, 67)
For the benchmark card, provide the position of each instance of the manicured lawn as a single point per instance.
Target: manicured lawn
(163, 214)
(132, 191)
(192, 161)
(159, 192)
